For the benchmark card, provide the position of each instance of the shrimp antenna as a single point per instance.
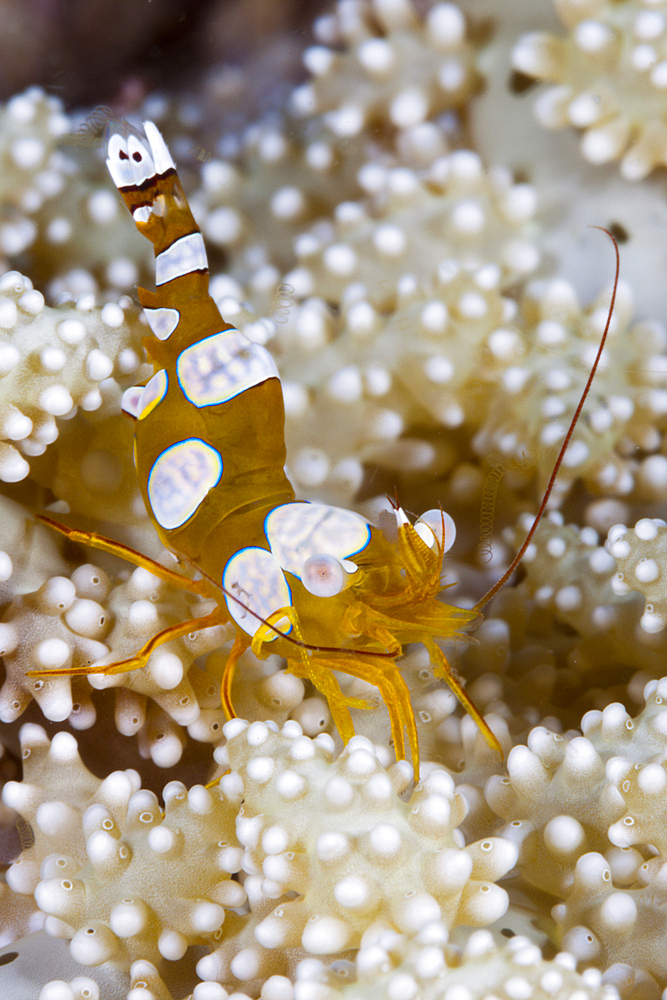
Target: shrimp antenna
(561, 454)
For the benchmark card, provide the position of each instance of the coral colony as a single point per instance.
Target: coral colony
(397, 244)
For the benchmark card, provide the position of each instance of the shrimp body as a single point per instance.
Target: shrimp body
(319, 585)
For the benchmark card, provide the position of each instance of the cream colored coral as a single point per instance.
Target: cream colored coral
(412, 370)
(19, 915)
(605, 926)
(253, 209)
(540, 365)
(395, 353)
(559, 557)
(57, 783)
(79, 988)
(364, 382)
(577, 793)
(84, 620)
(606, 77)
(641, 554)
(28, 554)
(52, 361)
(396, 69)
(578, 625)
(388, 966)
(641, 739)
(642, 789)
(71, 224)
(414, 222)
(32, 171)
(104, 851)
(452, 344)
(294, 172)
(333, 831)
(90, 467)
(557, 803)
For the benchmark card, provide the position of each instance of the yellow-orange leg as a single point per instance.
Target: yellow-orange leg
(313, 667)
(95, 541)
(442, 670)
(139, 660)
(241, 643)
(393, 690)
(318, 671)
(445, 672)
(396, 697)
(307, 668)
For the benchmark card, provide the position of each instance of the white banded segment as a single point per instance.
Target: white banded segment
(154, 393)
(298, 531)
(180, 479)
(185, 255)
(131, 401)
(255, 577)
(162, 321)
(141, 214)
(159, 150)
(139, 400)
(220, 367)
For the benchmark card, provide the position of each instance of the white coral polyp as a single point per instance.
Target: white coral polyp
(115, 852)
(392, 967)
(41, 380)
(69, 628)
(607, 77)
(348, 819)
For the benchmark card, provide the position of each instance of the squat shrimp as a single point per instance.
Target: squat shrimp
(319, 585)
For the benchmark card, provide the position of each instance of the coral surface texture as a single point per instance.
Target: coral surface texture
(406, 228)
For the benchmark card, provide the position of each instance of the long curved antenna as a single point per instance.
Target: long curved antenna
(561, 454)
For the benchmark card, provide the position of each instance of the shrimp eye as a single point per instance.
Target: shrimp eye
(430, 526)
(323, 576)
